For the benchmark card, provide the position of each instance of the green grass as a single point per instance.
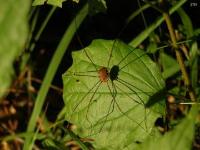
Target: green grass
(52, 68)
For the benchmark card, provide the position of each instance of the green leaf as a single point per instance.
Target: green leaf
(169, 64)
(38, 2)
(152, 46)
(55, 2)
(194, 64)
(51, 2)
(186, 22)
(112, 113)
(13, 33)
(181, 138)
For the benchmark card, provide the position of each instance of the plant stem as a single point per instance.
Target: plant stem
(145, 34)
(179, 57)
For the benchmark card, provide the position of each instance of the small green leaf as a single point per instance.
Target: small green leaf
(169, 64)
(186, 22)
(38, 2)
(55, 2)
(112, 113)
(152, 47)
(13, 33)
(181, 138)
(51, 2)
(194, 59)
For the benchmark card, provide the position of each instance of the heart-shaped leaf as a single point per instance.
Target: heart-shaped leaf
(105, 92)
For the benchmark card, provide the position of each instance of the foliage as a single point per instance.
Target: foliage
(179, 138)
(13, 33)
(52, 70)
(120, 102)
(114, 93)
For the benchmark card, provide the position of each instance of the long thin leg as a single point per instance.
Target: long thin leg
(109, 59)
(110, 55)
(133, 100)
(128, 95)
(82, 75)
(87, 55)
(96, 84)
(138, 57)
(91, 101)
(77, 72)
(125, 57)
(131, 85)
(121, 111)
(111, 107)
(128, 86)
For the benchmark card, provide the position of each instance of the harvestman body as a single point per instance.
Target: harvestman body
(104, 74)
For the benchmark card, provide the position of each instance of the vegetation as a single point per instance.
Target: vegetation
(137, 90)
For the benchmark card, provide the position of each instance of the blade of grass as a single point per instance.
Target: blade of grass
(32, 27)
(31, 13)
(137, 12)
(26, 56)
(12, 137)
(143, 35)
(55, 61)
(44, 24)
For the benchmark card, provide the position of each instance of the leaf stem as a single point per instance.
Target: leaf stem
(179, 57)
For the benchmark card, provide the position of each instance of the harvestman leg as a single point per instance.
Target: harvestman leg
(128, 86)
(124, 113)
(98, 85)
(104, 118)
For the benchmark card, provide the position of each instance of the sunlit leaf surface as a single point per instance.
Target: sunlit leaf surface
(112, 113)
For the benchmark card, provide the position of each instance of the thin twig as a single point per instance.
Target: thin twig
(56, 88)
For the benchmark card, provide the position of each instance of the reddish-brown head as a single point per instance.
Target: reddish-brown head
(103, 74)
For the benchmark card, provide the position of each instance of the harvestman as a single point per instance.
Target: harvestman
(106, 74)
